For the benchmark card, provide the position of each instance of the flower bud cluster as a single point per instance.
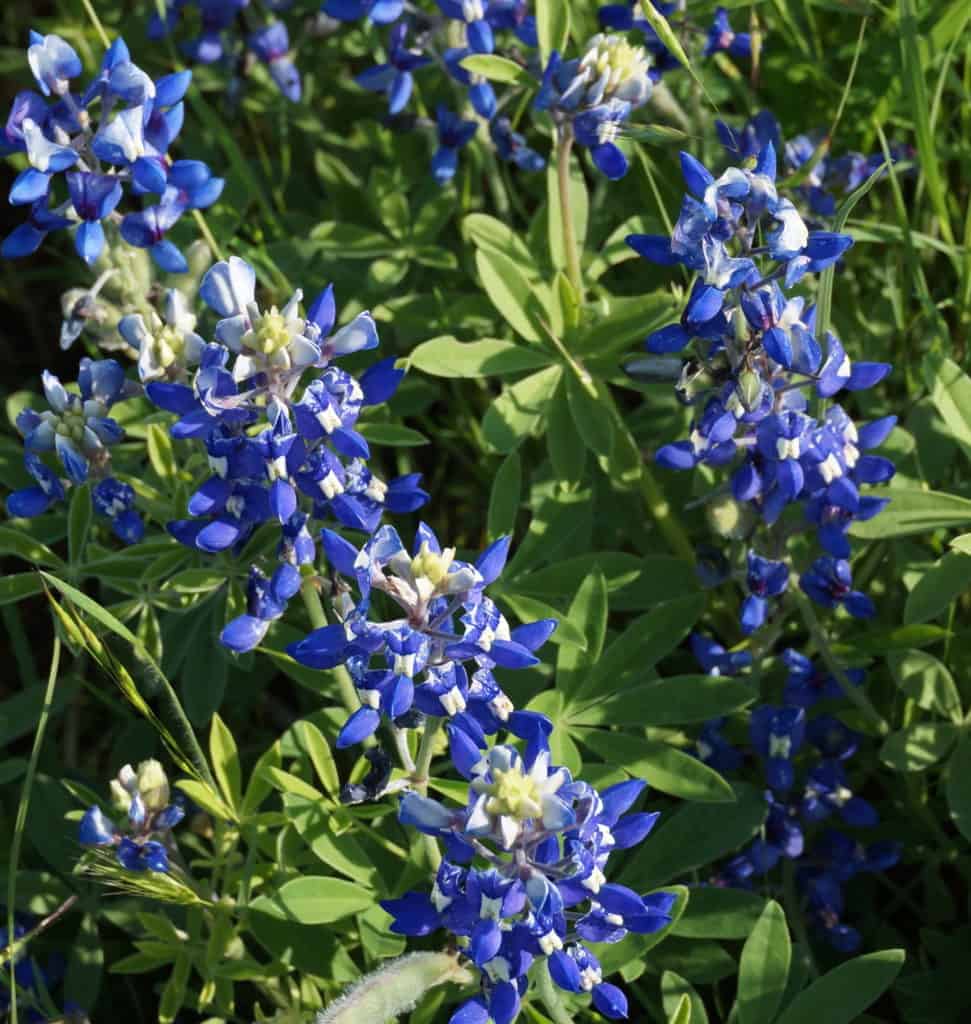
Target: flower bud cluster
(110, 141)
(143, 796)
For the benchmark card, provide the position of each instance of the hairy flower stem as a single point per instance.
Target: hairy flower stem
(851, 692)
(395, 988)
(563, 150)
(423, 761)
(657, 505)
(550, 996)
(318, 619)
(21, 820)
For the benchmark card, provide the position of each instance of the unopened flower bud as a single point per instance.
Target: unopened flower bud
(153, 785)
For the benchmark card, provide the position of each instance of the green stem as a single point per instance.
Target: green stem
(318, 619)
(420, 776)
(794, 915)
(550, 997)
(96, 22)
(207, 234)
(21, 820)
(851, 692)
(674, 533)
(563, 151)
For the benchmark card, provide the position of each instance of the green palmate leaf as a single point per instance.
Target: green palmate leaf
(17, 586)
(225, 762)
(79, 523)
(670, 770)
(497, 237)
(677, 700)
(312, 741)
(343, 853)
(764, 967)
(717, 913)
(448, 357)
(207, 798)
(950, 390)
(161, 451)
(393, 435)
(314, 899)
(20, 544)
(509, 291)
(694, 836)
(674, 990)
(505, 497)
(959, 787)
(350, 241)
(588, 613)
(927, 681)
(648, 639)
(840, 996)
(592, 414)
(918, 746)
(943, 582)
(682, 1012)
(914, 511)
(568, 454)
(516, 413)
(498, 69)
(552, 26)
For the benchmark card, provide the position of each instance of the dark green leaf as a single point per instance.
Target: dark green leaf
(314, 900)
(448, 357)
(915, 512)
(943, 582)
(919, 745)
(505, 497)
(959, 787)
(676, 700)
(764, 967)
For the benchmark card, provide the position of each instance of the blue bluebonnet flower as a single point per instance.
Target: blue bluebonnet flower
(754, 356)
(395, 78)
(807, 683)
(447, 622)
(473, 14)
(777, 734)
(721, 37)
(764, 579)
(125, 152)
(225, 39)
(512, 146)
(381, 12)
(46, 491)
(596, 94)
(829, 582)
(77, 426)
(453, 135)
(546, 839)
(271, 44)
(116, 500)
(143, 795)
(168, 344)
(266, 600)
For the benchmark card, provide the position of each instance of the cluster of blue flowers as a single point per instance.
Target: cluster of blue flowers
(110, 140)
(546, 839)
(755, 358)
(720, 37)
(34, 978)
(828, 178)
(792, 741)
(428, 666)
(226, 38)
(590, 96)
(79, 431)
(143, 797)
